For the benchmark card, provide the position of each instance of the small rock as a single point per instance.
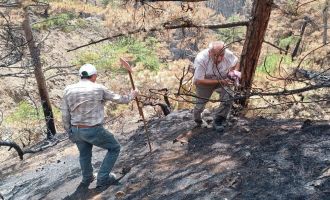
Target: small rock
(247, 154)
(58, 161)
(246, 129)
(120, 194)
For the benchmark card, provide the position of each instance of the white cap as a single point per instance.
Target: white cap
(87, 70)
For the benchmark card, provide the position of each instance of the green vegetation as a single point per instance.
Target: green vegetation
(27, 113)
(107, 56)
(231, 34)
(272, 61)
(62, 21)
(283, 43)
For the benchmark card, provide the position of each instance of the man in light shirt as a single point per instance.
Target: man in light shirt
(212, 66)
(83, 118)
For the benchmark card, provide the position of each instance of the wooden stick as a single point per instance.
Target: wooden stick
(129, 70)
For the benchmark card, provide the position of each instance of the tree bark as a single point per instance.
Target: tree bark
(252, 47)
(40, 78)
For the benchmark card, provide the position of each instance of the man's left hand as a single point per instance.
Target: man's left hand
(134, 93)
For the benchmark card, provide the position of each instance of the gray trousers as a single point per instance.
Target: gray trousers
(205, 92)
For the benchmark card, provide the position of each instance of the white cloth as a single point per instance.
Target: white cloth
(206, 69)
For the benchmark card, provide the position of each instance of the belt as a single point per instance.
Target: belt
(84, 126)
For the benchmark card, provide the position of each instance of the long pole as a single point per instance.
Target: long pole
(127, 66)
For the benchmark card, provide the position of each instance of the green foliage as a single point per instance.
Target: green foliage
(231, 34)
(283, 43)
(107, 56)
(25, 112)
(272, 61)
(62, 21)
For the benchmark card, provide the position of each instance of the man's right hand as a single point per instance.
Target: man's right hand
(226, 82)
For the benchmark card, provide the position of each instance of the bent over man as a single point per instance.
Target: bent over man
(212, 66)
(83, 118)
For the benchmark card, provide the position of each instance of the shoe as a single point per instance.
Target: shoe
(87, 183)
(198, 122)
(219, 123)
(111, 180)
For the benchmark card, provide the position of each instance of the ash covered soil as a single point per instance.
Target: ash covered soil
(256, 158)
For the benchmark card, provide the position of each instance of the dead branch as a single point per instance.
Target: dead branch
(305, 3)
(299, 64)
(171, 0)
(166, 107)
(21, 152)
(279, 48)
(51, 144)
(15, 146)
(166, 26)
(290, 92)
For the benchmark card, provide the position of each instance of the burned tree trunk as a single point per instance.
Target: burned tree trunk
(302, 31)
(252, 47)
(35, 55)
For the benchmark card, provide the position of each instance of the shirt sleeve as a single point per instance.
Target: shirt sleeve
(232, 59)
(66, 117)
(200, 70)
(117, 98)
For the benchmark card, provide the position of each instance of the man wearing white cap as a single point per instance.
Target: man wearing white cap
(215, 70)
(83, 118)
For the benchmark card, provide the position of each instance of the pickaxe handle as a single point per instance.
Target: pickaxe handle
(129, 69)
(136, 99)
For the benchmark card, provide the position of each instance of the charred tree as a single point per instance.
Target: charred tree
(255, 34)
(40, 78)
(302, 31)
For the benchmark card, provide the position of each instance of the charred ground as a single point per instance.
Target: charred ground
(256, 158)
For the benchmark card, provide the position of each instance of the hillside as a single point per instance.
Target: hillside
(278, 148)
(252, 159)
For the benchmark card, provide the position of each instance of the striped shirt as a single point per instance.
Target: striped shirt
(206, 69)
(83, 103)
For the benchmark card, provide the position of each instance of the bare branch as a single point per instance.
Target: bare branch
(171, 0)
(290, 92)
(305, 3)
(167, 26)
(273, 45)
(15, 146)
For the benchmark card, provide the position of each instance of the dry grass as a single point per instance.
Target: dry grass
(75, 6)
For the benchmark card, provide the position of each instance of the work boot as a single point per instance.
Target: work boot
(219, 123)
(111, 180)
(88, 182)
(198, 122)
